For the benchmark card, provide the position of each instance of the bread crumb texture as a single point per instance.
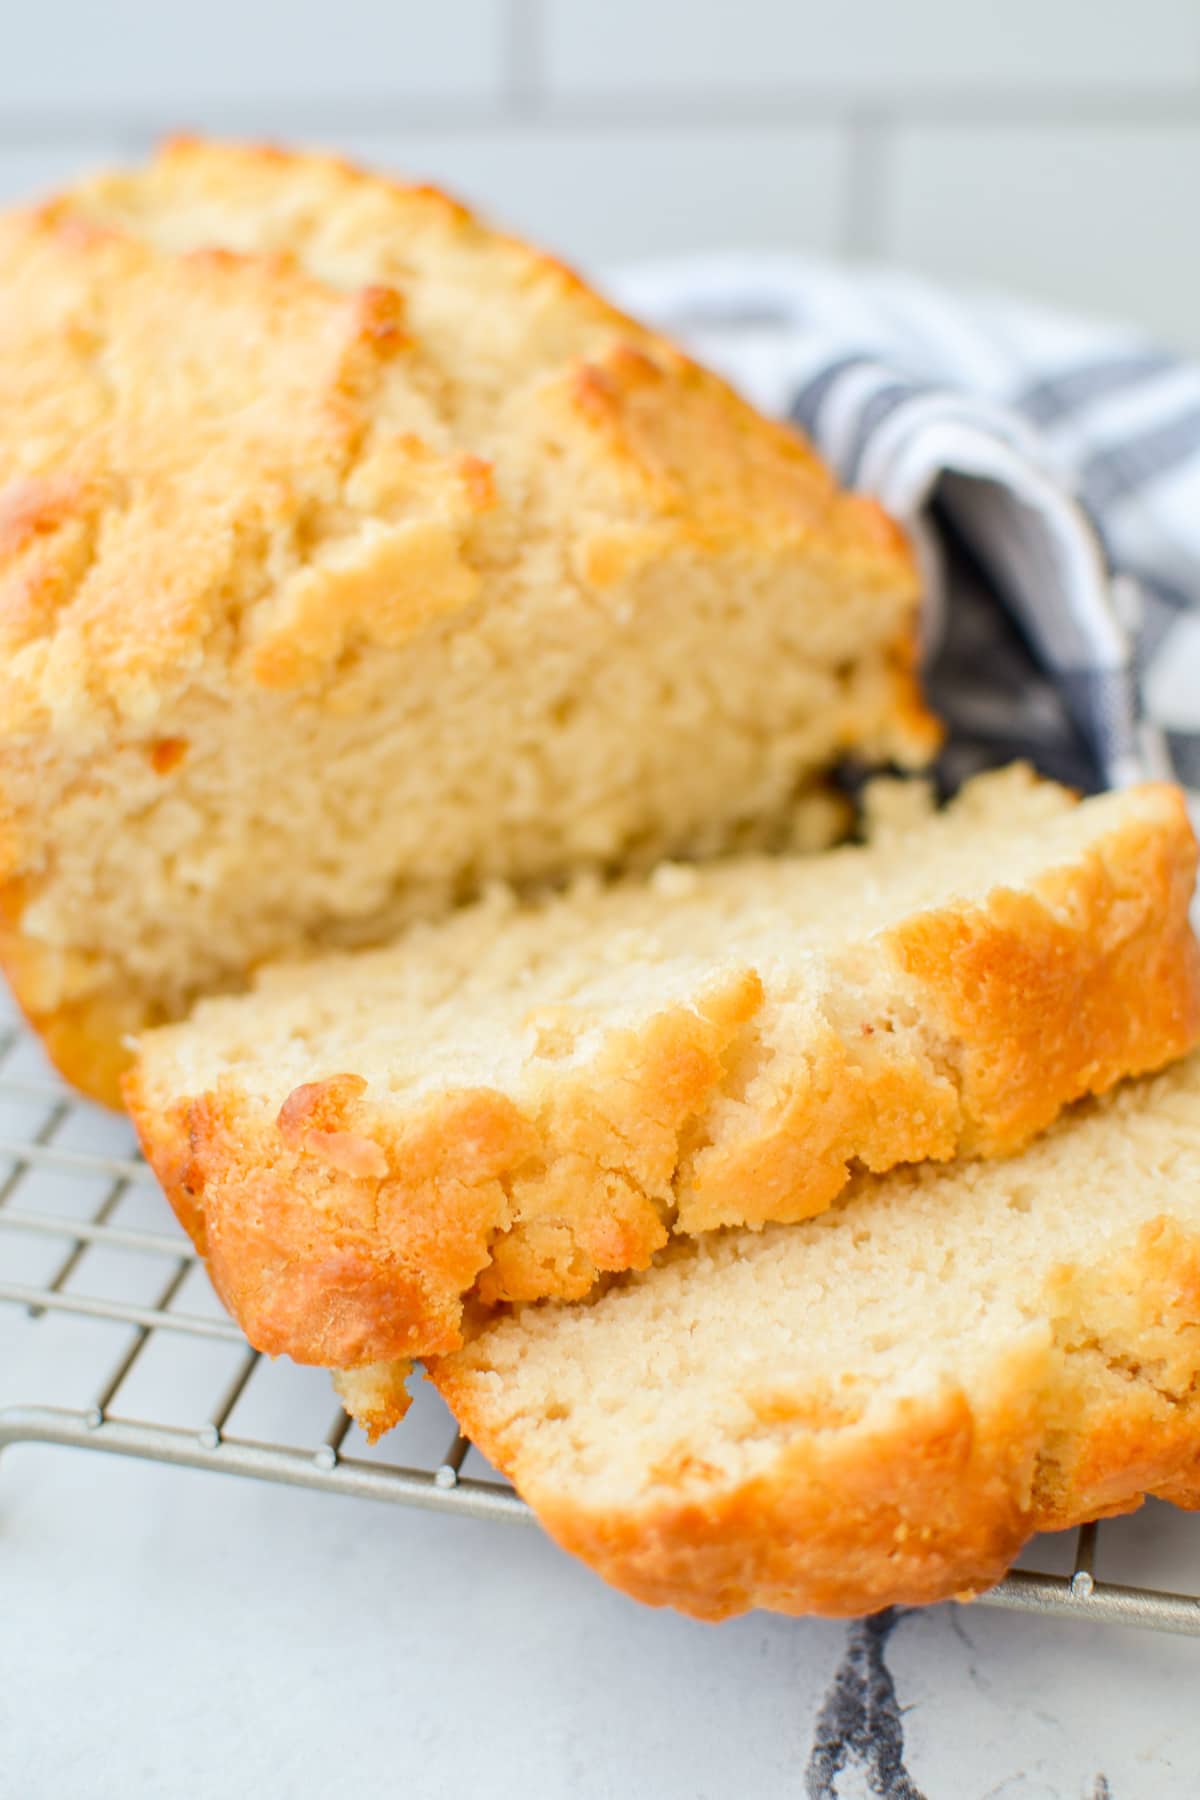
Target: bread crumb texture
(353, 555)
(375, 1395)
(521, 1099)
(878, 1406)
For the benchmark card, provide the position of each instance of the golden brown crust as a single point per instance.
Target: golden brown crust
(283, 526)
(353, 502)
(933, 1502)
(344, 1231)
(87, 1044)
(1025, 997)
(1063, 993)
(933, 1505)
(1094, 976)
(342, 1235)
(87, 1039)
(316, 1261)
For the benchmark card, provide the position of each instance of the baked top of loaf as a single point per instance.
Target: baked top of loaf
(353, 554)
(878, 1406)
(511, 1102)
(377, 390)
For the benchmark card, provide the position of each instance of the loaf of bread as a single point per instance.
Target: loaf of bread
(353, 556)
(511, 1102)
(881, 1405)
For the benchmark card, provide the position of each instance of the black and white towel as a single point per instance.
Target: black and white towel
(1048, 469)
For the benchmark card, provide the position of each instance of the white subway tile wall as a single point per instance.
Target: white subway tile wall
(882, 49)
(1101, 216)
(1046, 147)
(600, 195)
(147, 58)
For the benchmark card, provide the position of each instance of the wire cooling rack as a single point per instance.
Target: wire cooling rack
(112, 1339)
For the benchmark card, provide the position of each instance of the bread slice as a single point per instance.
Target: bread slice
(353, 555)
(881, 1405)
(514, 1101)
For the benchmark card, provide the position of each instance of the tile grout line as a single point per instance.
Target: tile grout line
(524, 98)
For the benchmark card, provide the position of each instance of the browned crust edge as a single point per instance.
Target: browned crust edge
(342, 1235)
(932, 1503)
(87, 1044)
(88, 1041)
(1061, 993)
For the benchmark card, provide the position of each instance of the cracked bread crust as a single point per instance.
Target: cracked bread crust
(346, 1228)
(842, 1492)
(348, 504)
(269, 467)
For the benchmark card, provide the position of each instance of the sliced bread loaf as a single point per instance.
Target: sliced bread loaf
(352, 555)
(515, 1100)
(881, 1405)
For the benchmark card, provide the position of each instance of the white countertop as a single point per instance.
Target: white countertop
(180, 1634)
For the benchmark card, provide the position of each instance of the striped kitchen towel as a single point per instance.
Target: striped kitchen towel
(1048, 469)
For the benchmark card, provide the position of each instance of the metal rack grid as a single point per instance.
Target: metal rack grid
(87, 1241)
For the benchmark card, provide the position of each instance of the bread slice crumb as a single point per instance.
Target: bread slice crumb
(520, 1100)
